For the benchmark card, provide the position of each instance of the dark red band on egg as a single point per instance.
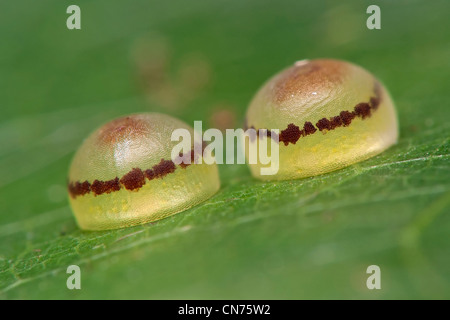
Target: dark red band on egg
(133, 180)
(362, 110)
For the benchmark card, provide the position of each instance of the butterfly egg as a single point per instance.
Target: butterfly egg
(123, 174)
(329, 114)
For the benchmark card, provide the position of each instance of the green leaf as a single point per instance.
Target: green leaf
(310, 238)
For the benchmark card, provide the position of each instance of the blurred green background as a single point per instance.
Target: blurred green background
(203, 60)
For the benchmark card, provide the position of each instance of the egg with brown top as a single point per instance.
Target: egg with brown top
(123, 174)
(329, 113)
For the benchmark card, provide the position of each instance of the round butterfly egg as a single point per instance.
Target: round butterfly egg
(123, 174)
(329, 114)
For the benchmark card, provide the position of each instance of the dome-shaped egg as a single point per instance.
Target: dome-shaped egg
(123, 174)
(329, 114)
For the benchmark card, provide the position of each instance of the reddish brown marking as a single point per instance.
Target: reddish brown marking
(79, 188)
(323, 124)
(291, 134)
(336, 122)
(123, 128)
(306, 77)
(133, 180)
(187, 159)
(362, 110)
(149, 174)
(163, 168)
(374, 103)
(99, 187)
(308, 128)
(346, 117)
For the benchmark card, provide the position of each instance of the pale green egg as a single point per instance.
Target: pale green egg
(123, 174)
(329, 113)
